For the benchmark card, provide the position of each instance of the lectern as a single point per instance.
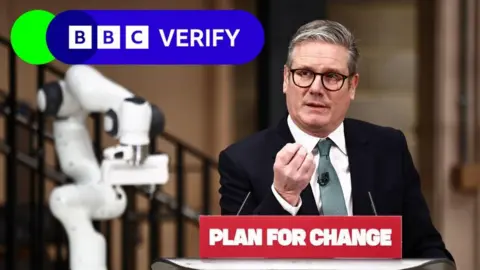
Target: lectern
(301, 243)
(271, 264)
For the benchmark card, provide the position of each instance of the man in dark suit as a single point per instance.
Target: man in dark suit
(316, 161)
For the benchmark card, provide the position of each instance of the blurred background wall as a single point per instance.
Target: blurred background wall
(418, 73)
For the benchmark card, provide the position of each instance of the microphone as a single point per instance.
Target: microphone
(372, 203)
(324, 179)
(243, 203)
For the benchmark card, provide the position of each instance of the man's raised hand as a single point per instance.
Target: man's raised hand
(292, 170)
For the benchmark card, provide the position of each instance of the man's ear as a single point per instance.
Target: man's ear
(286, 72)
(353, 85)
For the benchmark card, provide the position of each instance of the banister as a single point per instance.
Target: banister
(60, 178)
(4, 41)
(169, 137)
(27, 117)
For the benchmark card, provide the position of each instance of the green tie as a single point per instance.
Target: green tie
(331, 194)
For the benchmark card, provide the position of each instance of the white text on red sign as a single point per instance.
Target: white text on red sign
(300, 237)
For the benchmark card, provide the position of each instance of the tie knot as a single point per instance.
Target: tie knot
(324, 147)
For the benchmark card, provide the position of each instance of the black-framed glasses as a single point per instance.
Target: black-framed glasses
(304, 78)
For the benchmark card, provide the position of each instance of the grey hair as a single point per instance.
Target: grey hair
(329, 32)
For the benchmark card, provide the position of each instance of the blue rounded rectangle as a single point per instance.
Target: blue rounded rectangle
(155, 37)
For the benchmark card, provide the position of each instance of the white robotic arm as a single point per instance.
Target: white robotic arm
(96, 193)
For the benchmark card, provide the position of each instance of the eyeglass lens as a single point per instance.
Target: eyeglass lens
(331, 81)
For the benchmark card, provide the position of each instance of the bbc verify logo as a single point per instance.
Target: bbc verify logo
(155, 37)
(80, 37)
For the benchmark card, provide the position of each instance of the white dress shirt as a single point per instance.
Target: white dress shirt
(338, 157)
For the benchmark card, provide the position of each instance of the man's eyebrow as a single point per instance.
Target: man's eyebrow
(302, 67)
(332, 70)
(325, 70)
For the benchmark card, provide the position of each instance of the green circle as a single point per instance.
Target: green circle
(29, 37)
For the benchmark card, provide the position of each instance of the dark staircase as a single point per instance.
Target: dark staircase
(25, 220)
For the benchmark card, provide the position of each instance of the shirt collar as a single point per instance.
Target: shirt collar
(309, 142)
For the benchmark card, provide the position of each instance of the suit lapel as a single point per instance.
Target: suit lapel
(309, 206)
(284, 136)
(361, 161)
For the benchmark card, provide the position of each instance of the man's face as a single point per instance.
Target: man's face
(313, 107)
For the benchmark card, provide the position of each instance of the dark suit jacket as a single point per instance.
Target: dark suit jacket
(380, 163)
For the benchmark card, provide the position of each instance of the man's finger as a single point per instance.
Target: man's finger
(298, 159)
(307, 164)
(286, 154)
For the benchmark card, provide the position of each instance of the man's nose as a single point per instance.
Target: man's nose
(317, 86)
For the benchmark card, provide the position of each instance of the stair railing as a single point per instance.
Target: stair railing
(162, 205)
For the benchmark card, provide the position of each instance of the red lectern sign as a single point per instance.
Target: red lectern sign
(300, 237)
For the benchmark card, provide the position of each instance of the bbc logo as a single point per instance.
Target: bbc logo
(80, 37)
